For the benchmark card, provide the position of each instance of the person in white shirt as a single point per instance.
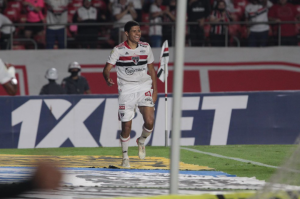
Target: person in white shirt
(123, 11)
(137, 4)
(57, 13)
(257, 11)
(6, 32)
(88, 35)
(155, 31)
(133, 59)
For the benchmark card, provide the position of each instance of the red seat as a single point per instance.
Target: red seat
(23, 18)
(76, 4)
(206, 30)
(100, 4)
(240, 3)
(18, 47)
(71, 12)
(15, 4)
(12, 14)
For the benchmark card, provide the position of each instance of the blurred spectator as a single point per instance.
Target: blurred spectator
(169, 16)
(257, 11)
(88, 35)
(34, 16)
(46, 177)
(57, 13)
(138, 6)
(198, 11)
(6, 31)
(52, 88)
(285, 11)
(218, 31)
(75, 84)
(123, 12)
(237, 11)
(3, 4)
(155, 32)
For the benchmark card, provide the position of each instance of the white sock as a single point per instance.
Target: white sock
(145, 134)
(124, 143)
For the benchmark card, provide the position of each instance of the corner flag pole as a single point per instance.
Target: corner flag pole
(177, 94)
(166, 104)
(162, 74)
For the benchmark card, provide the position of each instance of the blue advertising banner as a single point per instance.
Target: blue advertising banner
(92, 120)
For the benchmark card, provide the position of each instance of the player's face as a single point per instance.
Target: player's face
(134, 34)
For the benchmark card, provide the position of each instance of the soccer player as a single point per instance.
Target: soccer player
(132, 59)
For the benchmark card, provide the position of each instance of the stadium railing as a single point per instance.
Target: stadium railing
(234, 32)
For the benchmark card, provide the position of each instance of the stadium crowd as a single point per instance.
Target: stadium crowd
(44, 22)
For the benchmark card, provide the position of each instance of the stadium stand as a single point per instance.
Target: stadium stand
(238, 33)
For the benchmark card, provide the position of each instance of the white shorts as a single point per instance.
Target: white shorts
(129, 102)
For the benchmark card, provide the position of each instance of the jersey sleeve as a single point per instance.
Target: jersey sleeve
(4, 75)
(150, 58)
(113, 57)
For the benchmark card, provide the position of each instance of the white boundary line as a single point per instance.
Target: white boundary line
(231, 158)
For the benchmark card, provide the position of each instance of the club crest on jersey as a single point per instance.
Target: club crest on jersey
(135, 59)
(148, 93)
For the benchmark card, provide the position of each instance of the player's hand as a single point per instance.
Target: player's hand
(154, 96)
(47, 176)
(8, 65)
(110, 82)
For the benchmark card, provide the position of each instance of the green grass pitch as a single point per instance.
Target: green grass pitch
(268, 154)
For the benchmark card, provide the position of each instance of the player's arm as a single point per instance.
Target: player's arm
(106, 73)
(152, 74)
(10, 87)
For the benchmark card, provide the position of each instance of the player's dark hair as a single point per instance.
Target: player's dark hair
(129, 24)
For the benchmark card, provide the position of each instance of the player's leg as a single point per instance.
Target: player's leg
(126, 114)
(146, 107)
(125, 138)
(148, 116)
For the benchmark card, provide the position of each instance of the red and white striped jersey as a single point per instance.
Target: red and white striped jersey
(131, 66)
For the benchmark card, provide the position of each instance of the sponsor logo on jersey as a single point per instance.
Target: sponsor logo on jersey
(148, 100)
(126, 53)
(148, 93)
(142, 51)
(122, 107)
(135, 60)
(129, 71)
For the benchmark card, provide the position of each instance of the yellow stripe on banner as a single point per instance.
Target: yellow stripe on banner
(94, 162)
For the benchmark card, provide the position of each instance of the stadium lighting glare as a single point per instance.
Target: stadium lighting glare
(177, 95)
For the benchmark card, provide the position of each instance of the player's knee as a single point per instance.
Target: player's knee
(149, 122)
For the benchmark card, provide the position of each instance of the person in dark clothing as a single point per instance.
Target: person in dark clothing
(169, 16)
(52, 88)
(75, 84)
(198, 11)
(46, 177)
